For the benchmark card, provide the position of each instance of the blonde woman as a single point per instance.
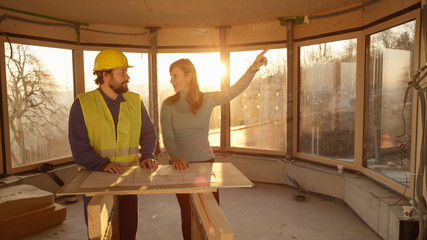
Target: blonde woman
(185, 120)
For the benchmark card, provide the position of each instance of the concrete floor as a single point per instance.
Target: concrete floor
(263, 212)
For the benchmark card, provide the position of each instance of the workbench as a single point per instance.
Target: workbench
(200, 180)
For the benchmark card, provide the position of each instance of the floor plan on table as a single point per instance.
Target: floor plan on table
(199, 174)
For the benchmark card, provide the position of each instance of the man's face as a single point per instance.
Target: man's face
(118, 80)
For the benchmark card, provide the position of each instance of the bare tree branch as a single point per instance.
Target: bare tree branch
(34, 112)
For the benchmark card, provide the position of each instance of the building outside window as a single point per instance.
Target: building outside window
(258, 115)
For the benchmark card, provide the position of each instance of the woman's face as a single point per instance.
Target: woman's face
(179, 80)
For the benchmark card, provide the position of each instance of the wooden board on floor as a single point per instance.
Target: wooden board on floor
(226, 175)
(18, 199)
(207, 220)
(32, 222)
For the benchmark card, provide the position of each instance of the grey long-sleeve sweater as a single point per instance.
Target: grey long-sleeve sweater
(185, 134)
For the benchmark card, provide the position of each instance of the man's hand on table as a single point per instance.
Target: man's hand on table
(149, 163)
(113, 167)
(180, 164)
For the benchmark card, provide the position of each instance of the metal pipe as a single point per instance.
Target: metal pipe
(43, 16)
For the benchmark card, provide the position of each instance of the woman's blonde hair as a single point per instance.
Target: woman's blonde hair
(194, 96)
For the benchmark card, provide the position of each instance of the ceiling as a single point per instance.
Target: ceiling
(174, 13)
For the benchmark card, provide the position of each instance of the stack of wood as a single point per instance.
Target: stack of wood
(26, 210)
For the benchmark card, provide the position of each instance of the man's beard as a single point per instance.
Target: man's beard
(122, 88)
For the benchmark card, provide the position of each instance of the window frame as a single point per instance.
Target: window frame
(407, 17)
(359, 63)
(7, 146)
(361, 99)
(245, 150)
(182, 51)
(3, 86)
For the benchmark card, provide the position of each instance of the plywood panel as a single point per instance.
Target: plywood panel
(384, 8)
(32, 222)
(256, 33)
(22, 198)
(327, 25)
(171, 13)
(205, 38)
(225, 174)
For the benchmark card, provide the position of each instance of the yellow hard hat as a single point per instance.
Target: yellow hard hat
(110, 59)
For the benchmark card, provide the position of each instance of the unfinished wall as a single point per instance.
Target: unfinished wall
(377, 206)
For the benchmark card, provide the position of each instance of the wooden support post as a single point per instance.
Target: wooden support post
(102, 213)
(225, 84)
(207, 220)
(290, 89)
(153, 81)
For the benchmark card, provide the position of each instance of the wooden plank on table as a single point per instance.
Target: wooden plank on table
(72, 186)
(228, 176)
(224, 175)
(208, 221)
(32, 222)
(23, 198)
(99, 212)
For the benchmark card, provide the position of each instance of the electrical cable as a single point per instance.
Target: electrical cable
(401, 142)
(114, 33)
(4, 17)
(420, 85)
(297, 197)
(342, 11)
(420, 206)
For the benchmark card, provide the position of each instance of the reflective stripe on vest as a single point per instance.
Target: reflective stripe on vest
(101, 131)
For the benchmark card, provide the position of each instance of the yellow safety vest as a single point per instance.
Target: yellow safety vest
(122, 148)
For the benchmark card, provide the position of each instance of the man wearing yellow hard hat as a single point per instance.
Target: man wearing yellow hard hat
(109, 129)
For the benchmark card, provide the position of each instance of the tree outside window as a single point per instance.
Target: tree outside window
(39, 97)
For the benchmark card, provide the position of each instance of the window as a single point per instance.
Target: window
(258, 114)
(327, 99)
(138, 82)
(391, 64)
(209, 73)
(39, 93)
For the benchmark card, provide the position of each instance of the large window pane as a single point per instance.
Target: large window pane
(138, 82)
(327, 99)
(391, 66)
(209, 73)
(39, 93)
(258, 115)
